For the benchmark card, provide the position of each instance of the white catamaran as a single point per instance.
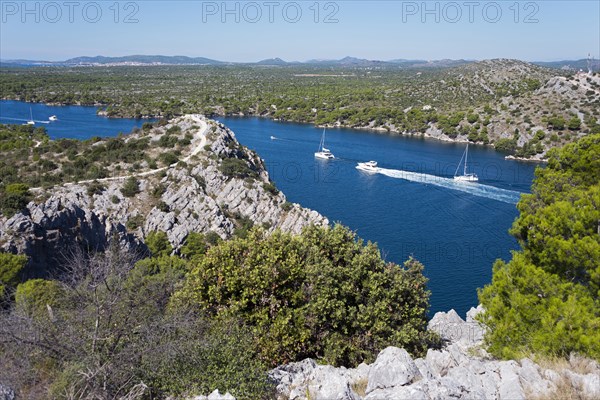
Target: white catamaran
(323, 153)
(31, 121)
(465, 177)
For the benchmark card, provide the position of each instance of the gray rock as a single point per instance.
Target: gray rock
(393, 367)
(440, 361)
(290, 376)
(427, 372)
(218, 396)
(590, 384)
(587, 384)
(453, 329)
(442, 389)
(6, 393)
(509, 387)
(471, 382)
(474, 312)
(399, 393)
(532, 381)
(327, 382)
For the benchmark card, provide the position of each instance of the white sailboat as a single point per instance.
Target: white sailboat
(323, 153)
(31, 121)
(465, 177)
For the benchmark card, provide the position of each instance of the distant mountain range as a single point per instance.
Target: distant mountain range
(344, 62)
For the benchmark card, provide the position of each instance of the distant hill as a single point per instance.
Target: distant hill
(273, 61)
(141, 59)
(446, 63)
(574, 65)
(348, 61)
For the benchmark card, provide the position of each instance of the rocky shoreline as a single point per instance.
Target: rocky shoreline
(431, 133)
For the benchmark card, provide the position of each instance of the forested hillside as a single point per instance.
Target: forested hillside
(521, 108)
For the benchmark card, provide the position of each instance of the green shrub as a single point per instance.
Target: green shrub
(168, 158)
(135, 222)
(506, 145)
(164, 207)
(131, 187)
(158, 190)
(574, 123)
(235, 167)
(95, 187)
(35, 295)
(271, 188)
(194, 245)
(158, 244)
(14, 198)
(11, 268)
(322, 294)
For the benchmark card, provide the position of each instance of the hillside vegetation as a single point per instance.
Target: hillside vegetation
(546, 300)
(521, 108)
(219, 316)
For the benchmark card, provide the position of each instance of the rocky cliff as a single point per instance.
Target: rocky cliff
(215, 185)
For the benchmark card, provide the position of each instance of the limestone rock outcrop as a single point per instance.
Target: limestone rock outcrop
(460, 370)
(196, 194)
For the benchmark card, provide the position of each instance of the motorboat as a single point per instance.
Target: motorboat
(369, 166)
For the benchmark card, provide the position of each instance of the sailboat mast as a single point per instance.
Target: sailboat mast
(466, 157)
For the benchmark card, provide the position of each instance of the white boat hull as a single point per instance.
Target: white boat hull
(466, 178)
(324, 156)
(370, 166)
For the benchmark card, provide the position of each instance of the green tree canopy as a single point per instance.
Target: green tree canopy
(546, 299)
(158, 244)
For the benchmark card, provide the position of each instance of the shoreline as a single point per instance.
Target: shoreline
(378, 130)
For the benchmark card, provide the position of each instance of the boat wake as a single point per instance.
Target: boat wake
(475, 189)
(24, 120)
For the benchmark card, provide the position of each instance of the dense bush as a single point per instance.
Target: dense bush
(235, 167)
(158, 244)
(11, 268)
(13, 198)
(130, 187)
(322, 294)
(546, 299)
(105, 332)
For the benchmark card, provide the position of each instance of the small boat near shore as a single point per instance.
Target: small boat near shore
(369, 166)
(53, 118)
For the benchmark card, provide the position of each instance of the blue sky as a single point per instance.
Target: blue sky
(251, 31)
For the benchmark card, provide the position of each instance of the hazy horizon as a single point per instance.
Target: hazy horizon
(558, 59)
